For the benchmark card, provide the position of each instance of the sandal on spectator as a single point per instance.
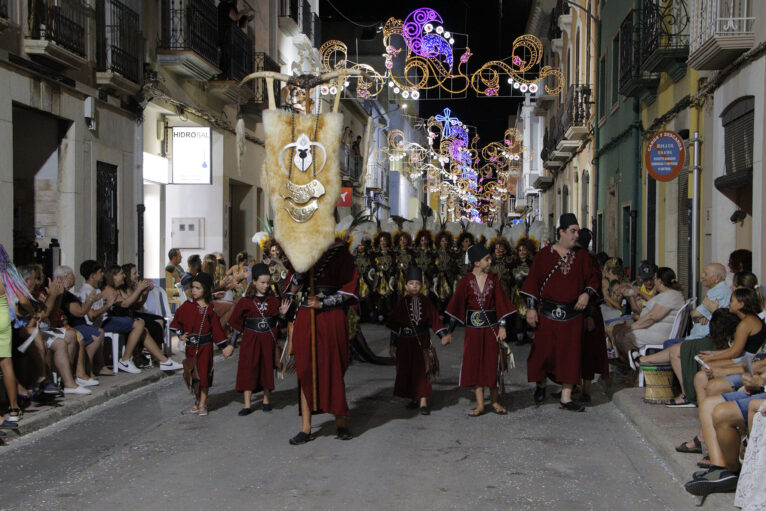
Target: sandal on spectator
(704, 462)
(634, 359)
(476, 412)
(695, 449)
(499, 410)
(684, 403)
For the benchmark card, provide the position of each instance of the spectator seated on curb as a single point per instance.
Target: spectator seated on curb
(611, 275)
(120, 312)
(92, 341)
(724, 420)
(681, 355)
(655, 322)
(154, 323)
(646, 290)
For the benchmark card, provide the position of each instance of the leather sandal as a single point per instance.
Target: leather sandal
(696, 449)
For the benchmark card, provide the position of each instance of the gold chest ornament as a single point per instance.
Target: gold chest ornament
(300, 200)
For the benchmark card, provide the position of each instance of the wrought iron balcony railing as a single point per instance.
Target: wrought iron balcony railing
(259, 99)
(664, 28)
(576, 112)
(60, 21)
(241, 59)
(190, 25)
(720, 18)
(119, 44)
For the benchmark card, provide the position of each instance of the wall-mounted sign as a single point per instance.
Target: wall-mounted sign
(192, 147)
(665, 155)
(344, 201)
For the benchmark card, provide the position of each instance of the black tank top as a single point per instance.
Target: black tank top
(755, 341)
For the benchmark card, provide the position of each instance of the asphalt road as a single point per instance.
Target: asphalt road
(140, 452)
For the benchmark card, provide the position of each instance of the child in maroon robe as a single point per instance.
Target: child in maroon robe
(257, 316)
(199, 327)
(480, 304)
(409, 323)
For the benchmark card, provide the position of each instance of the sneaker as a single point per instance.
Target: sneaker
(47, 387)
(77, 390)
(128, 367)
(715, 480)
(90, 382)
(170, 365)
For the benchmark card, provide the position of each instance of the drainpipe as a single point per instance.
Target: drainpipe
(138, 193)
(597, 137)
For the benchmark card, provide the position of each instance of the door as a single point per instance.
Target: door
(106, 206)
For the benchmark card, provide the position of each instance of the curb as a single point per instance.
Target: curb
(663, 433)
(48, 415)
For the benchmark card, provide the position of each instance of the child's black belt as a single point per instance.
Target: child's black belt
(412, 332)
(260, 325)
(558, 311)
(480, 318)
(195, 341)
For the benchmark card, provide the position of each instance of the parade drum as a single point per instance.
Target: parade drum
(659, 383)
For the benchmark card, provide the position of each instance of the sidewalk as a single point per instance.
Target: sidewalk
(663, 428)
(111, 385)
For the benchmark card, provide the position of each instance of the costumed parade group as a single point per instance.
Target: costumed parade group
(312, 289)
(414, 292)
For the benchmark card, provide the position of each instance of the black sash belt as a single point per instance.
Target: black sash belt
(558, 311)
(407, 331)
(195, 341)
(480, 318)
(260, 325)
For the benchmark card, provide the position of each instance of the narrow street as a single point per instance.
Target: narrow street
(140, 452)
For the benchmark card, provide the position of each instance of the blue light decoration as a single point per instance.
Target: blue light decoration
(425, 39)
(447, 122)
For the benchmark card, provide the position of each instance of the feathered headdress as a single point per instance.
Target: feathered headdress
(444, 234)
(14, 284)
(348, 224)
(424, 233)
(264, 238)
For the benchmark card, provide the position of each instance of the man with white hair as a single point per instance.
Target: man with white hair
(718, 295)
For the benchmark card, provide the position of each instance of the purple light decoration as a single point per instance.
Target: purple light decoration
(465, 56)
(431, 45)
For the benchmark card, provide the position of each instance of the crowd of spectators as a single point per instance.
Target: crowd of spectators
(719, 362)
(58, 335)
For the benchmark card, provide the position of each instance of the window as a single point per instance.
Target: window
(577, 58)
(584, 213)
(615, 69)
(737, 122)
(602, 86)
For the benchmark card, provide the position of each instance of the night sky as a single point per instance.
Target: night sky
(487, 37)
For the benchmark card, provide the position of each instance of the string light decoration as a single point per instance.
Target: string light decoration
(419, 55)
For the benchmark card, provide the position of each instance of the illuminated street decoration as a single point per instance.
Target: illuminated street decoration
(426, 61)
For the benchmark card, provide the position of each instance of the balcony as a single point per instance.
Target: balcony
(236, 64)
(317, 32)
(720, 31)
(576, 114)
(665, 37)
(307, 20)
(633, 81)
(554, 32)
(563, 16)
(56, 33)
(289, 16)
(189, 40)
(259, 100)
(119, 50)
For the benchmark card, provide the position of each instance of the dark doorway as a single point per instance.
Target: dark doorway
(37, 136)
(106, 206)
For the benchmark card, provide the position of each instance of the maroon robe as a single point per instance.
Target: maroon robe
(557, 348)
(255, 368)
(189, 320)
(481, 350)
(335, 269)
(411, 381)
(594, 356)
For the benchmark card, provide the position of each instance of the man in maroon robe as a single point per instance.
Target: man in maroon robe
(480, 304)
(320, 374)
(562, 280)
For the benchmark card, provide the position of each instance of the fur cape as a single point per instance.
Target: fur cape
(303, 243)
